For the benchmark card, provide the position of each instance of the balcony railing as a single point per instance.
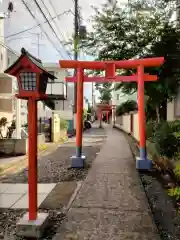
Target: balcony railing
(57, 90)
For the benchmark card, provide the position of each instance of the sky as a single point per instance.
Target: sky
(20, 20)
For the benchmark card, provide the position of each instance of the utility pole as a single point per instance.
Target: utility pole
(76, 41)
(39, 37)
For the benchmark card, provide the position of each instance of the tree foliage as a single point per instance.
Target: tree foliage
(141, 29)
(126, 107)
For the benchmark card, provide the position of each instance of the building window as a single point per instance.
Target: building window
(117, 97)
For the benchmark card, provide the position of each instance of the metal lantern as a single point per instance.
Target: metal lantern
(28, 81)
(34, 82)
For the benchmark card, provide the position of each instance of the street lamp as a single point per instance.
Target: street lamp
(32, 81)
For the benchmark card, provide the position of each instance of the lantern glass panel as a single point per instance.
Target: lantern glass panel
(28, 81)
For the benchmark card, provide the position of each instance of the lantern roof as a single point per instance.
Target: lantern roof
(33, 60)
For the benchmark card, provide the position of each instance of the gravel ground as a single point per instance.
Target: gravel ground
(164, 212)
(53, 168)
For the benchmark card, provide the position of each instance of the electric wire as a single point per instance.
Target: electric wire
(51, 16)
(55, 23)
(35, 26)
(33, 16)
(8, 48)
(37, 4)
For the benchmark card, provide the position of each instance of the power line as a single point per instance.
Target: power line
(51, 16)
(35, 26)
(57, 27)
(50, 26)
(33, 16)
(8, 48)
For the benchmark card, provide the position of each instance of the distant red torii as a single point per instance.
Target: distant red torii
(103, 107)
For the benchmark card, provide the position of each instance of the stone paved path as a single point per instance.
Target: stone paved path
(111, 204)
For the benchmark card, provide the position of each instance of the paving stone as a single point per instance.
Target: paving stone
(17, 188)
(3, 187)
(111, 191)
(7, 200)
(107, 224)
(23, 202)
(23, 188)
(111, 204)
(46, 188)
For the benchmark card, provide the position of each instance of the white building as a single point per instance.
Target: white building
(8, 86)
(118, 97)
(61, 93)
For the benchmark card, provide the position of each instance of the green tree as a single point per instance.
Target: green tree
(142, 29)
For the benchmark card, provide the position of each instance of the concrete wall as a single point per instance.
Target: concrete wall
(17, 146)
(173, 108)
(129, 124)
(57, 132)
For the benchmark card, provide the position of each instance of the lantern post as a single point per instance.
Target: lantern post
(32, 82)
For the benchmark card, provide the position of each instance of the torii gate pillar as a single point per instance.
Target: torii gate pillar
(142, 162)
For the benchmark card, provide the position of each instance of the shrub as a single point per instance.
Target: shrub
(166, 137)
(126, 107)
(63, 124)
(174, 192)
(150, 130)
(177, 172)
(165, 140)
(175, 125)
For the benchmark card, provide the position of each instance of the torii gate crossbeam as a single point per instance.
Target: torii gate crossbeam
(110, 68)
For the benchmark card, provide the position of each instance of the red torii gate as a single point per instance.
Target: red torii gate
(102, 107)
(110, 68)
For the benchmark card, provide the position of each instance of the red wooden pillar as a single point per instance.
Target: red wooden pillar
(143, 163)
(32, 170)
(79, 115)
